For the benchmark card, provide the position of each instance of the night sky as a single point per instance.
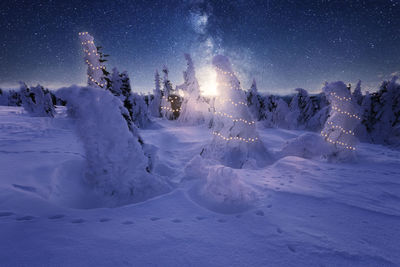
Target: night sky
(283, 44)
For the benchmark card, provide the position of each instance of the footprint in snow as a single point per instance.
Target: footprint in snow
(154, 218)
(239, 216)
(104, 220)
(25, 218)
(127, 222)
(200, 218)
(78, 221)
(259, 213)
(176, 221)
(291, 248)
(57, 216)
(279, 230)
(221, 220)
(25, 188)
(6, 213)
(269, 206)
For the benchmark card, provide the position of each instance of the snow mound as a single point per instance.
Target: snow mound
(224, 192)
(308, 145)
(117, 166)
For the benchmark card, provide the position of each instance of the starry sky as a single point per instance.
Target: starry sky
(282, 44)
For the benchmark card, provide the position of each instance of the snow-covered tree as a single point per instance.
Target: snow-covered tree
(14, 98)
(193, 107)
(138, 110)
(3, 98)
(385, 112)
(155, 103)
(321, 112)
(343, 120)
(280, 114)
(92, 59)
(236, 142)
(357, 95)
(119, 85)
(37, 101)
(166, 108)
(302, 109)
(116, 163)
(254, 102)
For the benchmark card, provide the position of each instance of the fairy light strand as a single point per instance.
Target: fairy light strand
(247, 140)
(234, 119)
(90, 65)
(349, 132)
(346, 113)
(345, 145)
(171, 100)
(333, 126)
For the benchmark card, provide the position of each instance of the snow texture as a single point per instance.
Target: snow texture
(307, 212)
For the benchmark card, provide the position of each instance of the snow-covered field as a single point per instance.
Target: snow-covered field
(303, 212)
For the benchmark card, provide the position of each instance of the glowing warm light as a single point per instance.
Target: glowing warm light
(207, 78)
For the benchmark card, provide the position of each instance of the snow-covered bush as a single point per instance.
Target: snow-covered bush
(223, 191)
(116, 163)
(193, 107)
(308, 145)
(235, 135)
(37, 101)
(344, 117)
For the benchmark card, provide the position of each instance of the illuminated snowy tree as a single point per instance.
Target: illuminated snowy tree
(166, 108)
(235, 141)
(343, 120)
(155, 104)
(92, 59)
(192, 107)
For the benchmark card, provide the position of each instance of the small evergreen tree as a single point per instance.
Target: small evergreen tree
(94, 61)
(343, 120)
(236, 140)
(155, 104)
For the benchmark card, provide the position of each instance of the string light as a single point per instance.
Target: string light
(340, 98)
(338, 142)
(233, 119)
(233, 102)
(93, 80)
(346, 113)
(227, 72)
(247, 140)
(340, 128)
(172, 110)
(333, 126)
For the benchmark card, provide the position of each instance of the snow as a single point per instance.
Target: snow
(299, 211)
